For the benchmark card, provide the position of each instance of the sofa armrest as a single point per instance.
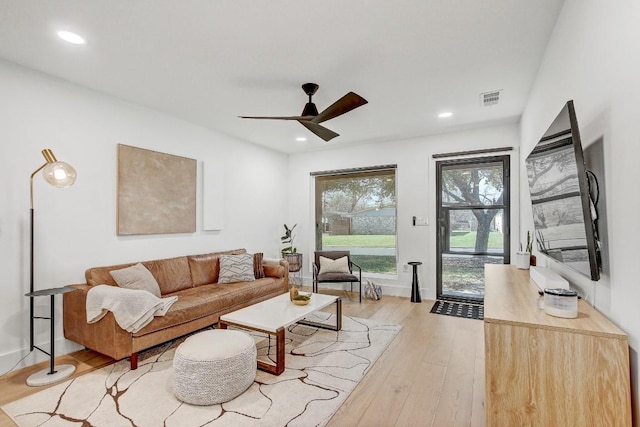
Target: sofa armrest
(277, 269)
(104, 336)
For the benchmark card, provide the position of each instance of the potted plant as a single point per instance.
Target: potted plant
(523, 257)
(290, 252)
(532, 258)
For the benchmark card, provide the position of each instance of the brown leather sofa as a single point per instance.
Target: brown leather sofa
(201, 302)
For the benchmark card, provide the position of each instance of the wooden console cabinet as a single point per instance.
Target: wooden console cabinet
(549, 371)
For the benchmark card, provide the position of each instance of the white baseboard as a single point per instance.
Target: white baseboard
(9, 360)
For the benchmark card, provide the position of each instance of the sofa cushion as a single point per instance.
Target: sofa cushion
(202, 301)
(205, 268)
(102, 275)
(172, 274)
(236, 268)
(136, 277)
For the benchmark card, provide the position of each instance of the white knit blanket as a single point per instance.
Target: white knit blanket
(133, 309)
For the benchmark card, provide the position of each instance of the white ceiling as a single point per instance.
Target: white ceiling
(208, 61)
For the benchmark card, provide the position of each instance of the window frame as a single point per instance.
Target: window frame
(353, 173)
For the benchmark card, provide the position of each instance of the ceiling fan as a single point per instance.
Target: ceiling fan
(310, 117)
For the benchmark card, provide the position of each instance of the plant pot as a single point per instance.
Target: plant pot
(522, 260)
(294, 260)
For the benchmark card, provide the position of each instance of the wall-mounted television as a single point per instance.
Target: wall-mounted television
(564, 196)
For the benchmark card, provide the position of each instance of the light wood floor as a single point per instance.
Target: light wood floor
(432, 374)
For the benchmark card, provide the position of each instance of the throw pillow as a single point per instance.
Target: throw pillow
(258, 268)
(340, 265)
(136, 277)
(236, 268)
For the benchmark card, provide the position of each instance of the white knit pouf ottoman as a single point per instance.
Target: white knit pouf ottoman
(214, 366)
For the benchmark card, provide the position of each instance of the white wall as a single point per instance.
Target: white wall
(76, 226)
(415, 183)
(593, 58)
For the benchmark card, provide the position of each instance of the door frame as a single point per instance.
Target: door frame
(441, 245)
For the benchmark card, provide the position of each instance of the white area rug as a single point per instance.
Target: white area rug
(322, 368)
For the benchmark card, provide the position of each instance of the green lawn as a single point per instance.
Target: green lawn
(369, 263)
(376, 263)
(387, 264)
(468, 240)
(370, 241)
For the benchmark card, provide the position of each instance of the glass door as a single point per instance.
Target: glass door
(473, 224)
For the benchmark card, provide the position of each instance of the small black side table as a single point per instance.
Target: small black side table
(415, 289)
(51, 375)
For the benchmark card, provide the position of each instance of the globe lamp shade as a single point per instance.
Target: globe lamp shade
(59, 174)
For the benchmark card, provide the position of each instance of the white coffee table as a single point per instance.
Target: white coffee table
(272, 317)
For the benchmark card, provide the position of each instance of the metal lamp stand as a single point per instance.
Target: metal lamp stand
(61, 175)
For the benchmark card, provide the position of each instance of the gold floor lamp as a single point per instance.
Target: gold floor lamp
(58, 174)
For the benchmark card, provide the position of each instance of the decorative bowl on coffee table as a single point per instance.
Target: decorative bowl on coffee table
(301, 299)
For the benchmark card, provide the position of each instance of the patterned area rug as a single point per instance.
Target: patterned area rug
(458, 309)
(322, 368)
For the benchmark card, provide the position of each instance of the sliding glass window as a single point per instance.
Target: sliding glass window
(356, 211)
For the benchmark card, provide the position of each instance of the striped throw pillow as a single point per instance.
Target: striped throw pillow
(236, 268)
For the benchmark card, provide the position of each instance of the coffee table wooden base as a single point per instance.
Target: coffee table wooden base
(278, 368)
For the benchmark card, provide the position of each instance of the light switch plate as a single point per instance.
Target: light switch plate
(422, 221)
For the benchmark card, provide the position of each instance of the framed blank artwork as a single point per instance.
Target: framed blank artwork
(156, 192)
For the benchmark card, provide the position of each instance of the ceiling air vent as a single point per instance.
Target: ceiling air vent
(487, 99)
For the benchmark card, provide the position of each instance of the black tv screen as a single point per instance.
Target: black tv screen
(564, 214)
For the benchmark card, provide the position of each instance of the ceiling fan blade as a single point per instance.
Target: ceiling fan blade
(277, 117)
(343, 105)
(319, 130)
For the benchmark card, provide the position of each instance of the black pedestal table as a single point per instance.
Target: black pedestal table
(415, 289)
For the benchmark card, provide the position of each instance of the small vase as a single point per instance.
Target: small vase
(532, 260)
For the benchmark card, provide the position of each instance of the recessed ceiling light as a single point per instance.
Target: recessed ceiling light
(70, 37)
(301, 139)
(445, 114)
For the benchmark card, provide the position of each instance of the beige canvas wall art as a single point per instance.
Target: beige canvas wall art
(156, 192)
